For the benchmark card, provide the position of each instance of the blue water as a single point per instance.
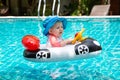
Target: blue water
(105, 66)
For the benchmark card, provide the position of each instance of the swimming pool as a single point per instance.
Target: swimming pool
(105, 66)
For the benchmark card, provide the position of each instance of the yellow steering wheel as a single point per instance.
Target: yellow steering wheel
(79, 37)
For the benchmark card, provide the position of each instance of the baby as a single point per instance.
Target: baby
(54, 27)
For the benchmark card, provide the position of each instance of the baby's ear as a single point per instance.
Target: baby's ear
(50, 31)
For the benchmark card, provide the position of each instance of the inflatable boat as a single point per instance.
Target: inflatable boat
(86, 48)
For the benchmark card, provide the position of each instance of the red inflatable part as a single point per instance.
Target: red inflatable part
(31, 42)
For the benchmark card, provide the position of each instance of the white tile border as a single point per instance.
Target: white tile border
(60, 16)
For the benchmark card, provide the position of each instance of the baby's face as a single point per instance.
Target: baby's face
(57, 29)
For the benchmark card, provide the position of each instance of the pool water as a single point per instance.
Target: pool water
(105, 66)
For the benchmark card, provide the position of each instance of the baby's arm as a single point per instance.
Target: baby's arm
(65, 42)
(55, 43)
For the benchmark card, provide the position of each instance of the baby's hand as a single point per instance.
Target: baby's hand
(69, 41)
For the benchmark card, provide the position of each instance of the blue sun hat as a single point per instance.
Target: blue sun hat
(50, 21)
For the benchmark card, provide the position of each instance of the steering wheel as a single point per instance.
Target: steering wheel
(79, 37)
